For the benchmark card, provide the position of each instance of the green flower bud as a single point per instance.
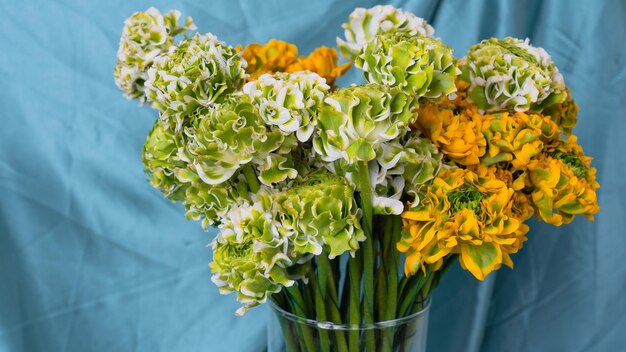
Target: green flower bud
(365, 24)
(420, 66)
(320, 211)
(511, 74)
(226, 137)
(354, 121)
(199, 71)
(289, 100)
(145, 35)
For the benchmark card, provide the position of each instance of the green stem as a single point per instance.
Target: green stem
(393, 259)
(251, 179)
(368, 255)
(355, 269)
(331, 298)
(382, 271)
(412, 289)
(318, 282)
(299, 310)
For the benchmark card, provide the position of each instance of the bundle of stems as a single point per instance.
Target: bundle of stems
(358, 293)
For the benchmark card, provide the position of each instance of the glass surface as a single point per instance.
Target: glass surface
(288, 332)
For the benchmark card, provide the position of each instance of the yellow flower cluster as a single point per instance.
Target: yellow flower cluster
(467, 214)
(561, 183)
(279, 56)
(511, 165)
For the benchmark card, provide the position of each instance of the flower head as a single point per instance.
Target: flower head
(162, 162)
(146, 35)
(365, 24)
(511, 74)
(418, 65)
(250, 255)
(456, 131)
(516, 138)
(274, 56)
(226, 137)
(199, 71)
(354, 121)
(462, 213)
(318, 212)
(289, 101)
(561, 183)
(322, 61)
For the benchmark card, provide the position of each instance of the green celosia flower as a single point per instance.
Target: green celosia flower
(355, 121)
(365, 24)
(420, 66)
(320, 211)
(511, 74)
(250, 255)
(289, 100)
(162, 162)
(228, 136)
(145, 35)
(199, 71)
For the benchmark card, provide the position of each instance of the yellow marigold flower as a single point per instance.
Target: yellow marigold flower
(322, 61)
(274, 56)
(561, 183)
(516, 137)
(455, 131)
(564, 114)
(463, 213)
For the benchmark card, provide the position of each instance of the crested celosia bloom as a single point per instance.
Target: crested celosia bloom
(354, 121)
(318, 212)
(466, 214)
(198, 72)
(228, 136)
(511, 74)
(517, 137)
(146, 35)
(365, 24)
(456, 131)
(322, 61)
(561, 183)
(289, 101)
(274, 56)
(420, 66)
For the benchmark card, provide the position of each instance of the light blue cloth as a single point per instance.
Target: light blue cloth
(93, 259)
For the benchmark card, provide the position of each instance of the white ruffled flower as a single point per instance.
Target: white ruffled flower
(289, 100)
(146, 35)
(365, 24)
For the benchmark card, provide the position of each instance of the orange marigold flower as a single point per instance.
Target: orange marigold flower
(561, 183)
(455, 131)
(274, 56)
(462, 213)
(322, 61)
(516, 137)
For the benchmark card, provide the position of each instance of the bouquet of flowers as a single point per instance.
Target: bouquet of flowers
(321, 193)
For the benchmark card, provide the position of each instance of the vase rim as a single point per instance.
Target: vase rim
(328, 325)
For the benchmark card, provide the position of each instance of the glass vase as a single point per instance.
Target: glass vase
(291, 333)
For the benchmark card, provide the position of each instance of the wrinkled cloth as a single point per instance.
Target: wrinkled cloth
(93, 259)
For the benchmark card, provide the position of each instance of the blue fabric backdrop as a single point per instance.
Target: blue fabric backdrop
(93, 259)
